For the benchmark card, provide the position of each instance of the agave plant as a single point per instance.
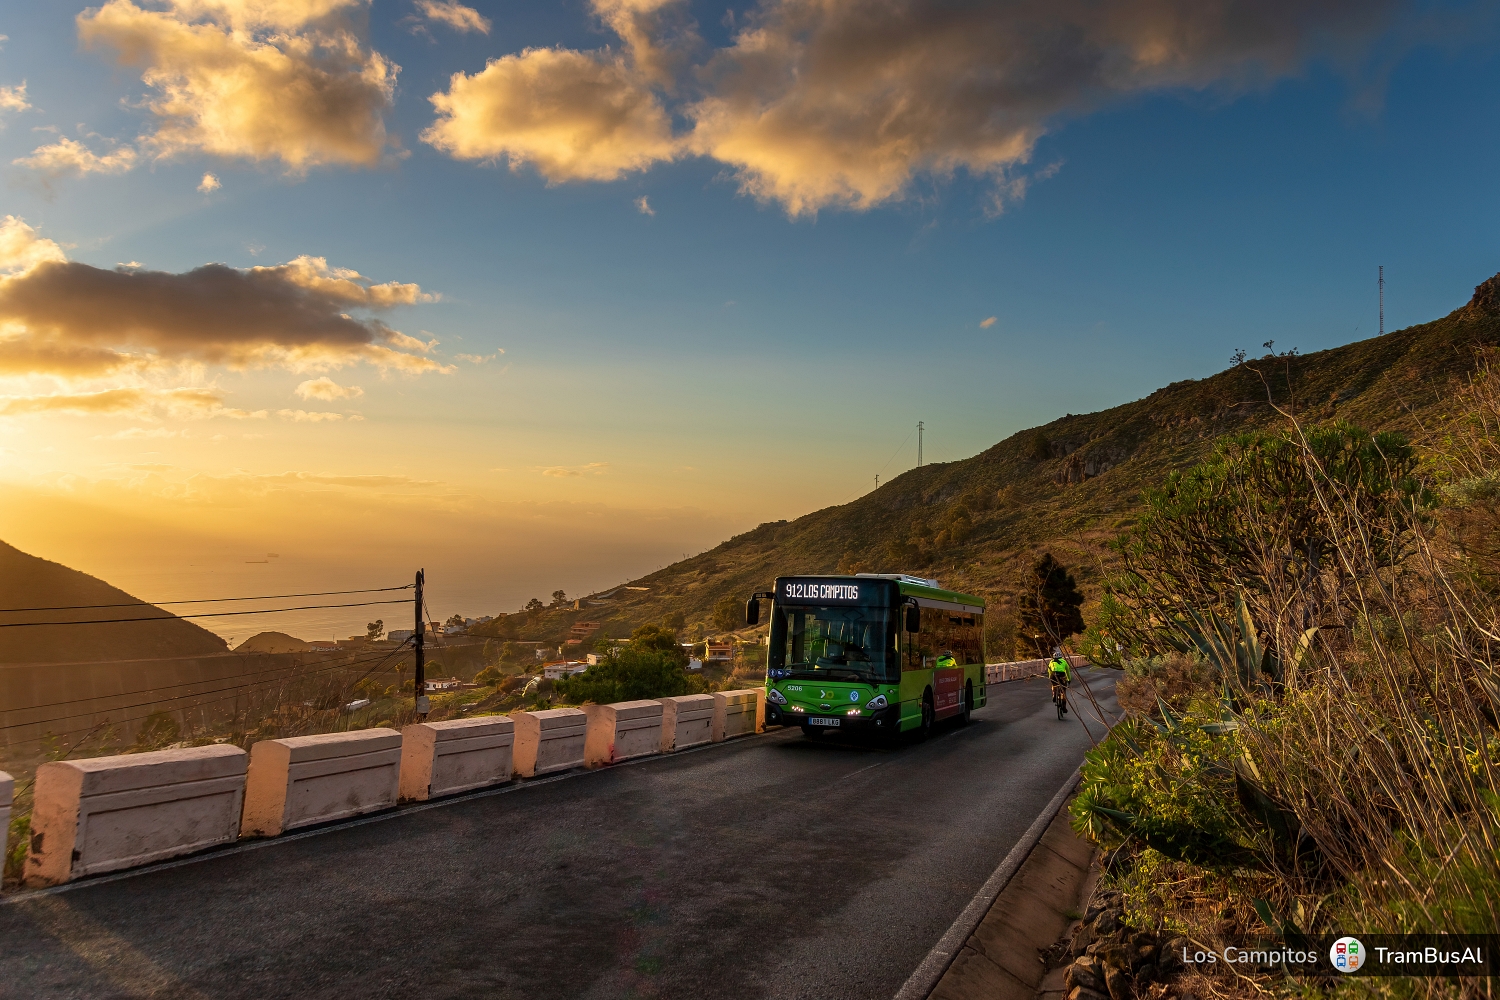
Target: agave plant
(1235, 649)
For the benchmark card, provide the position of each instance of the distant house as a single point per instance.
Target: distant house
(584, 628)
(444, 684)
(400, 635)
(718, 651)
(557, 671)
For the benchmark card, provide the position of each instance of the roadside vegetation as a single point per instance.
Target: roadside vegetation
(1307, 625)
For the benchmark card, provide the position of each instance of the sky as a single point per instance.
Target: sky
(306, 294)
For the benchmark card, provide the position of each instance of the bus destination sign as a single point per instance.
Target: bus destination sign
(803, 591)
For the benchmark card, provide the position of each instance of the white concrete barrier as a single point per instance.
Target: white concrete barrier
(108, 813)
(549, 740)
(445, 758)
(735, 713)
(304, 780)
(686, 721)
(998, 673)
(621, 731)
(7, 795)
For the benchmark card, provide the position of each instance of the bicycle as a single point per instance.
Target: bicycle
(1060, 696)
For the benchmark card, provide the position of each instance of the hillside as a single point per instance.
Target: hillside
(273, 642)
(1066, 487)
(29, 582)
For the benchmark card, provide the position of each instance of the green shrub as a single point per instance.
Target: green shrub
(1172, 787)
(630, 673)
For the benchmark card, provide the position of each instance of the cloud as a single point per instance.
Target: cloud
(21, 248)
(209, 183)
(643, 206)
(313, 417)
(326, 388)
(68, 156)
(454, 15)
(141, 433)
(183, 403)
(64, 317)
(479, 359)
(14, 98)
(254, 79)
(572, 115)
(816, 104)
(571, 471)
(367, 482)
(986, 323)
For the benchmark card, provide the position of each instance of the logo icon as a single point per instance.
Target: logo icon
(1347, 954)
(854, 696)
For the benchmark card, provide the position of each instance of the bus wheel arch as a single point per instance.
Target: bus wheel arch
(929, 715)
(968, 703)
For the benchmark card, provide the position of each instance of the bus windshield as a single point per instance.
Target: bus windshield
(832, 644)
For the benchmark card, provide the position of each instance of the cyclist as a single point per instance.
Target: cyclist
(945, 660)
(1061, 676)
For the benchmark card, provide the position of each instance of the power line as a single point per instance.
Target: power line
(210, 600)
(205, 614)
(172, 697)
(291, 673)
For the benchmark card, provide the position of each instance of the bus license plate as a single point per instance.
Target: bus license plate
(817, 721)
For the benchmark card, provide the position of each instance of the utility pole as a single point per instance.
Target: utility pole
(419, 682)
(877, 480)
(919, 444)
(1382, 300)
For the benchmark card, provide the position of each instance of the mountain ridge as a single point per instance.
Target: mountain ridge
(1066, 486)
(28, 581)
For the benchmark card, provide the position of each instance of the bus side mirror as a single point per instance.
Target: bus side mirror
(752, 611)
(913, 619)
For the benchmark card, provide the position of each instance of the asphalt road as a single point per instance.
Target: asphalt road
(771, 866)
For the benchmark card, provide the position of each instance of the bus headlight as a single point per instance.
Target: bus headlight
(876, 702)
(775, 697)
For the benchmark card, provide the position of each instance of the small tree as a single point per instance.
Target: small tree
(559, 598)
(375, 629)
(1047, 609)
(454, 621)
(661, 639)
(729, 614)
(533, 606)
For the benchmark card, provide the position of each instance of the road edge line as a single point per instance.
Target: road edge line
(920, 984)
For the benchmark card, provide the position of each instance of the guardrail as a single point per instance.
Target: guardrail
(7, 795)
(687, 721)
(998, 673)
(550, 740)
(108, 813)
(173, 802)
(622, 731)
(445, 758)
(315, 779)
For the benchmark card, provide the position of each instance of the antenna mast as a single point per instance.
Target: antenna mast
(1382, 300)
(919, 444)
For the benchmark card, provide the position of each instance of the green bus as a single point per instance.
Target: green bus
(860, 653)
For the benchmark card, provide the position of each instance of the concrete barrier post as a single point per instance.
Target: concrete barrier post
(304, 780)
(108, 813)
(445, 758)
(549, 740)
(621, 731)
(686, 721)
(7, 796)
(734, 714)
